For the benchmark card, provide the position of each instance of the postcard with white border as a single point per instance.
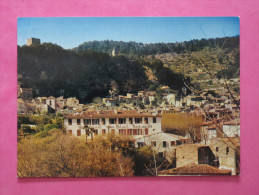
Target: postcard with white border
(128, 96)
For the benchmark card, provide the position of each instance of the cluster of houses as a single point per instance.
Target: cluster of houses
(220, 152)
(216, 152)
(29, 105)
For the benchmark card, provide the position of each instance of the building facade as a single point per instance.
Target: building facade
(126, 122)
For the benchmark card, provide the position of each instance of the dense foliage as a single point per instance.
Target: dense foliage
(89, 71)
(133, 48)
(59, 155)
(50, 70)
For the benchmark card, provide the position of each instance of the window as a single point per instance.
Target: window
(95, 121)
(154, 120)
(122, 131)
(69, 132)
(164, 144)
(113, 131)
(122, 121)
(103, 131)
(138, 120)
(78, 132)
(69, 121)
(134, 131)
(130, 132)
(112, 120)
(50, 102)
(78, 121)
(172, 143)
(146, 131)
(87, 121)
(154, 144)
(227, 150)
(103, 121)
(95, 132)
(130, 120)
(146, 120)
(217, 149)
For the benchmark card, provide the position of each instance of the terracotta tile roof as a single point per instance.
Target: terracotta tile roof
(195, 169)
(51, 97)
(212, 127)
(111, 114)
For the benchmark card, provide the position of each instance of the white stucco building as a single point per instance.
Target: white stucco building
(231, 128)
(125, 122)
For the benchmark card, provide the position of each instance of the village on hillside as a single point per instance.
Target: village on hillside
(112, 108)
(210, 148)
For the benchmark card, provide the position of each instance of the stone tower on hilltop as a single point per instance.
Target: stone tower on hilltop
(33, 41)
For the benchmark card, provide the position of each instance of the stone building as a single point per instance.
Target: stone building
(33, 41)
(227, 153)
(187, 154)
(232, 128)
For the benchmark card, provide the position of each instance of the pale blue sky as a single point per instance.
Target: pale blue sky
(70, 32)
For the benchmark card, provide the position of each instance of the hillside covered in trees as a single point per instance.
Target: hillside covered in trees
(133, 48)
(89, 70)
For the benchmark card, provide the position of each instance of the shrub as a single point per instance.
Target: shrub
(50, 126)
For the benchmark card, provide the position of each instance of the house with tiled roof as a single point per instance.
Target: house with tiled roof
(119, 122)
(232, 128)
(194, 154)
(227, 153)
(163, 143)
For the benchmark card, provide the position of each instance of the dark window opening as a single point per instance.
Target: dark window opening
(217, 149)
(87, 121)
(154, 120)
(95, 121)
(138, 120)
(164, 144)
(122, 120)
(78, 121)
(227, 150)
(112, 120)
(69, 121)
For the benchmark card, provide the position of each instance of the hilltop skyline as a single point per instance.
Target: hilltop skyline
(71, 32)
